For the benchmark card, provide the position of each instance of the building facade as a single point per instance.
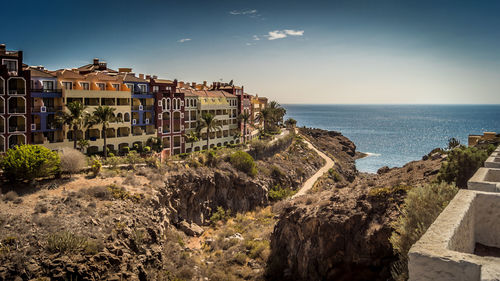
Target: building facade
(146, 107)
(15, 100)
(170, 111)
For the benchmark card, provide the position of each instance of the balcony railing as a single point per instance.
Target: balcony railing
(16, 92)
(47, 108)
(43, 90)
(17, 129)
(17, 110)
(144, 107)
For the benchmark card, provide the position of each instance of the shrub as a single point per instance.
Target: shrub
(220, 215)
(10, 196)
(334, 175)
(421, 207)
(211, 159)
(461, 164)
(133, 157)
(243, 162)
(65, 242)
(277, 193)
(146, 149)
(72, 160)
(28, 162)
(112, 161)
(125, 150)
(95, 166)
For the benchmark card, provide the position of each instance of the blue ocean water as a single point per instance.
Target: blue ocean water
(397, 134)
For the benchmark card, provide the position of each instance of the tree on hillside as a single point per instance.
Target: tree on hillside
(265, 115)
(290, 123)
(452, 143)
(74, 118)
(103, 115)
(244, 117)
(211, 124)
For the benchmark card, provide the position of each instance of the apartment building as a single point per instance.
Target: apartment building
(222, 105)
(170, 106)
(15, 100)
(146, 106)
(46, 100)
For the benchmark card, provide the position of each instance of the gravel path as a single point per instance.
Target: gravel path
(310, 182)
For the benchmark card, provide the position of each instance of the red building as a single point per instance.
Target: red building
(15, 100)
(169, 110)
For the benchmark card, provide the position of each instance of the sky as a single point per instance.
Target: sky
(313, 52)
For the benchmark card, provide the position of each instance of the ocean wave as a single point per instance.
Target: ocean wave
(369, 154)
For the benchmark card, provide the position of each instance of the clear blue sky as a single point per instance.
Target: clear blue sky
(292, 51)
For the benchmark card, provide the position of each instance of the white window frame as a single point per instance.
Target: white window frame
(3, 85)
(156, 89)
(85, 83)
(98, 84)
(13, 78)
(143, 88)
(130, 86)
(17, 64)
(116, 86)
(25, 124)
(64, 85)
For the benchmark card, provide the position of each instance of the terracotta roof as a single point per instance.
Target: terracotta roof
(68, 74)
(130, 77)
(102, 76)
(40, 73)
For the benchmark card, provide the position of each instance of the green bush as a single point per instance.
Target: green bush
(28, 162)
(243, 162)
(66, 242)
(146, 149)
(277, 193)
(95, 165)
(220, 215)
(461, 164)
(421, 207)
(133, 157)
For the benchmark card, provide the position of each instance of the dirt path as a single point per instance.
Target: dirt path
(310, 182)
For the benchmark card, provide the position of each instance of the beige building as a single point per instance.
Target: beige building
(222, 105)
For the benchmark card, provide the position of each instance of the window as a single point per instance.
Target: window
(130, 86)
(116, 86)
(142, 88)
(48, 85)
(101, 86)
(156, 89)
(168, 88)
(67, 85)
(85, 85)
(10, 64)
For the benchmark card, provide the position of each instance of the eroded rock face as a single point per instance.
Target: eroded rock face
(333, 236)
(194, 195)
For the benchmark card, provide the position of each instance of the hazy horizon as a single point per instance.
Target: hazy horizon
(318, 52)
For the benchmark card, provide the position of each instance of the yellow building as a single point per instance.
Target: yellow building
(222, 105)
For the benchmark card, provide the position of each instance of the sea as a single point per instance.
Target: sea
(393, 135)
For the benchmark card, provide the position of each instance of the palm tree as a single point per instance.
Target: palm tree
(209, 122)
(265, 115)
(245, 116)
(192, 137)
(103, 115)
(75, 118)
(290, 123)
(83, 143)
(278, 111)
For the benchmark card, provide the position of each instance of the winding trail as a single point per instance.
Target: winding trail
(310, 182)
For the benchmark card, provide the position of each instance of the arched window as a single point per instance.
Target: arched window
(164, 104)
(126, 117)
(168, 104)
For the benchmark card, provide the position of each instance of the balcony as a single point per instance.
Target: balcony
(44, 90)
(17, 109)
(37, 109)
(17, 128)
(143, 107)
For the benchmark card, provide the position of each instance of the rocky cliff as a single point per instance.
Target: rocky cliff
(343, 233)
(123, 225)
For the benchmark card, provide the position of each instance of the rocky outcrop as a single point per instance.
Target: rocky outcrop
(338, 147)
(333, 236)
(195, 194)
(343, 233)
